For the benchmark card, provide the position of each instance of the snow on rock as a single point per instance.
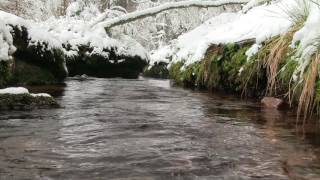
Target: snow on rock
(21, 90)
(14, 90)
(163, 54)
(41, 95)
(6, 43)
(70, 31)
(260, 23)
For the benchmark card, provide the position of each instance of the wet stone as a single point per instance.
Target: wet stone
(273, 103)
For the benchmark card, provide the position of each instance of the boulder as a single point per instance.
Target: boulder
(97, 65)
(26, 101)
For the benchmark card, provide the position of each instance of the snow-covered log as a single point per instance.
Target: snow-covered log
(107, 24)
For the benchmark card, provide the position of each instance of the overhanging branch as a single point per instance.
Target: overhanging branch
(109, 23)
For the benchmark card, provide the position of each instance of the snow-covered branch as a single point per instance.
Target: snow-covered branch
(104, 22)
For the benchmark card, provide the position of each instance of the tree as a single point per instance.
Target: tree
(109, 23)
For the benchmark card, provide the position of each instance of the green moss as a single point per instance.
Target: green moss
(175, 72)
(209, 71)
(5, 73)
(158, 70)
(287, 71)
(253, 78)
(190, 74)
(234, 59)
(25, 102)
(28, 74)
(38, 54)
(219, 69)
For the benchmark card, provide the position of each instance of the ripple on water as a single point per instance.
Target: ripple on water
(144, 129)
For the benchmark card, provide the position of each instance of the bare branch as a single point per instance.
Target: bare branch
(109, 23)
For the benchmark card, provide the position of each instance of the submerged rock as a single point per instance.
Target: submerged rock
(272, 103)
(83, 77)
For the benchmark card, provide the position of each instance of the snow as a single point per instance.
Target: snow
(41, 95)
(6, 44)
(14, 90)
(163, 55)
(21, 90)
(102, 22)
(74, 31)
(253, 50)
(260, 23)
(308, 36)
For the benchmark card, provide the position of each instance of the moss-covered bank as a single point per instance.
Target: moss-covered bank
(270, 72)
(224, 68)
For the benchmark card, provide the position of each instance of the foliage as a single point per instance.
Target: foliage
(158, 70)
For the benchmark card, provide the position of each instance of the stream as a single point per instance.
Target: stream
(145, 129)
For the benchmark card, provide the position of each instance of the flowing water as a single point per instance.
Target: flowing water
(147, 130)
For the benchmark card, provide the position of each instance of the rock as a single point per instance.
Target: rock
(95, 65)
(35, 63)
(273, 103)
(143, 126)
(26, 102)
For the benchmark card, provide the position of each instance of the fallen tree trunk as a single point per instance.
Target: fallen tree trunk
(107, 24)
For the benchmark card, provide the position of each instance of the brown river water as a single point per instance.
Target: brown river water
(144, 129)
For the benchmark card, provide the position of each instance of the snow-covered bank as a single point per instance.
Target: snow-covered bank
(67, 34)
(281, 59)
(39, 52)
(260, 23)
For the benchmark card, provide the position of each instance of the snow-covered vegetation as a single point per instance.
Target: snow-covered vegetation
(260, 23)
(71, 31)
(75, 27)
(284, 45)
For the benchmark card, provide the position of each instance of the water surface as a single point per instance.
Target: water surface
(117, 129)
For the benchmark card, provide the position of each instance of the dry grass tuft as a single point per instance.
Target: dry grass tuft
(272, 61)
(278, 48)
(307, 97)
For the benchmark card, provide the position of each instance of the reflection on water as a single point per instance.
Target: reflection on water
(144, 129)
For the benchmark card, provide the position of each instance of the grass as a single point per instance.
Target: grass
(307, 97)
